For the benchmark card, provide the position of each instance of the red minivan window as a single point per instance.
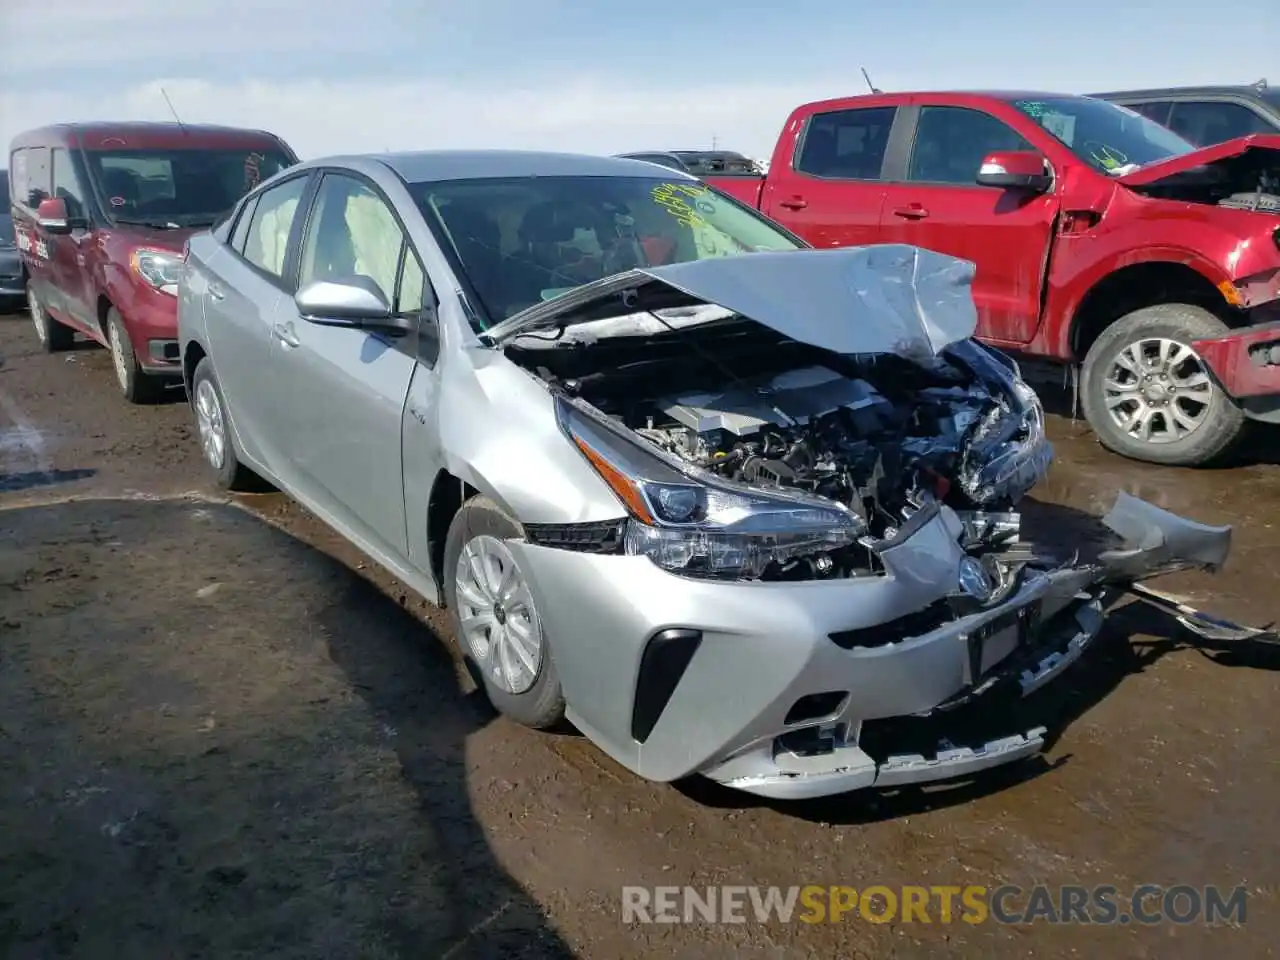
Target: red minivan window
(178, 188)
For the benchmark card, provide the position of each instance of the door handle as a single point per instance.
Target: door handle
(284, 333)
(913, 212)
(795, 203)
(216, 292)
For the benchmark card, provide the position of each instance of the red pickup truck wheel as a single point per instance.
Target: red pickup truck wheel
(1147, 394)
(52, 335)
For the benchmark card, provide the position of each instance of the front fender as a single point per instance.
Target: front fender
(499, 433)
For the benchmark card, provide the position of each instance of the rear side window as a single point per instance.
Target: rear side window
(30, 174)
(846, 144)
(951, 142)
(267, 245)
(241, 232)
(1206, 122)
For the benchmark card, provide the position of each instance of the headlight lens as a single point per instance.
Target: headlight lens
(159, 268)
(694, 523)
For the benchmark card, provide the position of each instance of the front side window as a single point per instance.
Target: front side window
(66, 184)
(951, 143)
(268, 240)
(1108, 137)
(1206, 122)
(523, 240)
(1157, 110)
(178, 188)
(847, 144)
(352, 233)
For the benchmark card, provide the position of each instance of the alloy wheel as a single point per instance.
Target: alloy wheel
(1157, 390)
(210, 425)
(499, 620)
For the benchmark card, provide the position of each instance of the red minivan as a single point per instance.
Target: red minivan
(102, 211)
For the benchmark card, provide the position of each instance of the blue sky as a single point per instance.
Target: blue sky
(334, 76)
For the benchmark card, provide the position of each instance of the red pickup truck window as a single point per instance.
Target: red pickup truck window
(846, 144)
(952, 141)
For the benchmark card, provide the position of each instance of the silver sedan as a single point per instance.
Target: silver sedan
(732, 506)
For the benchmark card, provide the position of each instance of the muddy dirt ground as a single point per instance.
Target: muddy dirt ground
(222, 734)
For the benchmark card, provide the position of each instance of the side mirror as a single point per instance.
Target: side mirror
(1015, 170)
(52, 215)
(351, 302)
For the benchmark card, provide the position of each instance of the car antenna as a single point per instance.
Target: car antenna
(867, 77)
(181, 125)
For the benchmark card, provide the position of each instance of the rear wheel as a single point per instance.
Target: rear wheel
(136, 385)
(52, 335)
(214, 430)
(1148, 395)
(495, 616)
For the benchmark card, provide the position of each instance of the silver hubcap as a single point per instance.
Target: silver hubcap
(117, 356)
(1157, 390)
(499, 621)
(213, 436)
(37, 317)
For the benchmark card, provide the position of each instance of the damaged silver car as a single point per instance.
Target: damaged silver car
(732, 506)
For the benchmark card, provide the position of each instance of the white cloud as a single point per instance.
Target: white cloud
(324, 117)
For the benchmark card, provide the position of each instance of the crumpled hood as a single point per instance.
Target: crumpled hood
(890, 298)
(1162, 169)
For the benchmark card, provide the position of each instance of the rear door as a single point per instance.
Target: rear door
(248, 292)
(343, 389)
(832, 191)
(933, 201)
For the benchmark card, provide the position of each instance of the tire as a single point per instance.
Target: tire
(537, 700)
(135, 385)
(211, 417)
(1218, 422)
(53, 336)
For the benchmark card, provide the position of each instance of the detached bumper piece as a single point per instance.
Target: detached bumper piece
(962, 735)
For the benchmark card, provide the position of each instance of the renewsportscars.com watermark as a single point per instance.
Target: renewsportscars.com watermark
(1146, 903)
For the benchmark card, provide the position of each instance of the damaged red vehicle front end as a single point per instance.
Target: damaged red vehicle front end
(1242, 178)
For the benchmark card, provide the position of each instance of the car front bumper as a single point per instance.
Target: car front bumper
(766, 687)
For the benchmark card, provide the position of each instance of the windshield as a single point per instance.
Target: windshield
(1107, 136)
(178, 188)
(523, 240)
(7, 234)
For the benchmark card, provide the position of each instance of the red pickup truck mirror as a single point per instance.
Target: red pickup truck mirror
(52, 215)
(1015, 170)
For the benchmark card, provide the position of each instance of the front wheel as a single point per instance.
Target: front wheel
(1148, 395)
(137, 386)
(53, 336)
(495, 616)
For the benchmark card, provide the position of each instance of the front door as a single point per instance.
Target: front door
(71, 254)
(1006, 234)
(345, 388)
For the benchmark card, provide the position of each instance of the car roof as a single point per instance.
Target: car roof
(1238, 90)
(437, 165)
(143, 134)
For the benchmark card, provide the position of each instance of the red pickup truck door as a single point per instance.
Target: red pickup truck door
(933, 201)
(829, 191)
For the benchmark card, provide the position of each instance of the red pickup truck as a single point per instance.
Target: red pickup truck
(1100, 239)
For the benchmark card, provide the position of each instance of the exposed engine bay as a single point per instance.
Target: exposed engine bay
(1248, 181)
(879, 433)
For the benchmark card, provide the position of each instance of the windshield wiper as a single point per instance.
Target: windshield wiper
(157, 224)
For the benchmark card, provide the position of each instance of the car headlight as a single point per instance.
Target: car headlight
(159, 268)
(692, 522)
